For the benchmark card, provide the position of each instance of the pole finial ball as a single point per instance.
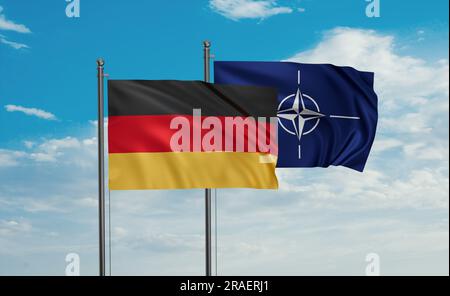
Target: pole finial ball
(100, 62)
(206, 43)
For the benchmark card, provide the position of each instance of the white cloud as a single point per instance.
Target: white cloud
(400, 81)
(47, 205)
(248, 9)
(90, 141)
(382, 145)
(9, 158)
(9, 25)
(119, 233)
(68, 150)
(89, 202)
(31, 112)
(339, 188)
(427, 151)
(407, 123)
(29, 144)
(12, 44)
(54, 145)
(8, 227)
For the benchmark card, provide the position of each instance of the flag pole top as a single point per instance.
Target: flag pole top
(100, 62)
(206, 44)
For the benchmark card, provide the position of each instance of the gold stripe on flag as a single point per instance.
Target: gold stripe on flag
(182, 170)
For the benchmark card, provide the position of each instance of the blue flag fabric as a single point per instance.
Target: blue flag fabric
(327, 114)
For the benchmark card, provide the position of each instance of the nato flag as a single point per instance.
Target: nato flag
(327, 114)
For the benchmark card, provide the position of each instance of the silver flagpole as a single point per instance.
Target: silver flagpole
(208, 220)
(101, 166)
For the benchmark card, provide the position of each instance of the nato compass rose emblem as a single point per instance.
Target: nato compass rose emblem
(299, 115)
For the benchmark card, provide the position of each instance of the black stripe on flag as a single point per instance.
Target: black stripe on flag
(161, 97)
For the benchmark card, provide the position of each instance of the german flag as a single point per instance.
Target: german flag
(167, 134)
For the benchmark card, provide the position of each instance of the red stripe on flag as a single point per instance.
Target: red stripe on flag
(152, 133)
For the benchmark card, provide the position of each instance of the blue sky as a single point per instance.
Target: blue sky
(47, 157)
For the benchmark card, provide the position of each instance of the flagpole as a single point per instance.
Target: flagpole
(208, 219)
(101, 166)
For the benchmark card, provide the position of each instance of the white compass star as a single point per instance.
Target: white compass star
(299, 115)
